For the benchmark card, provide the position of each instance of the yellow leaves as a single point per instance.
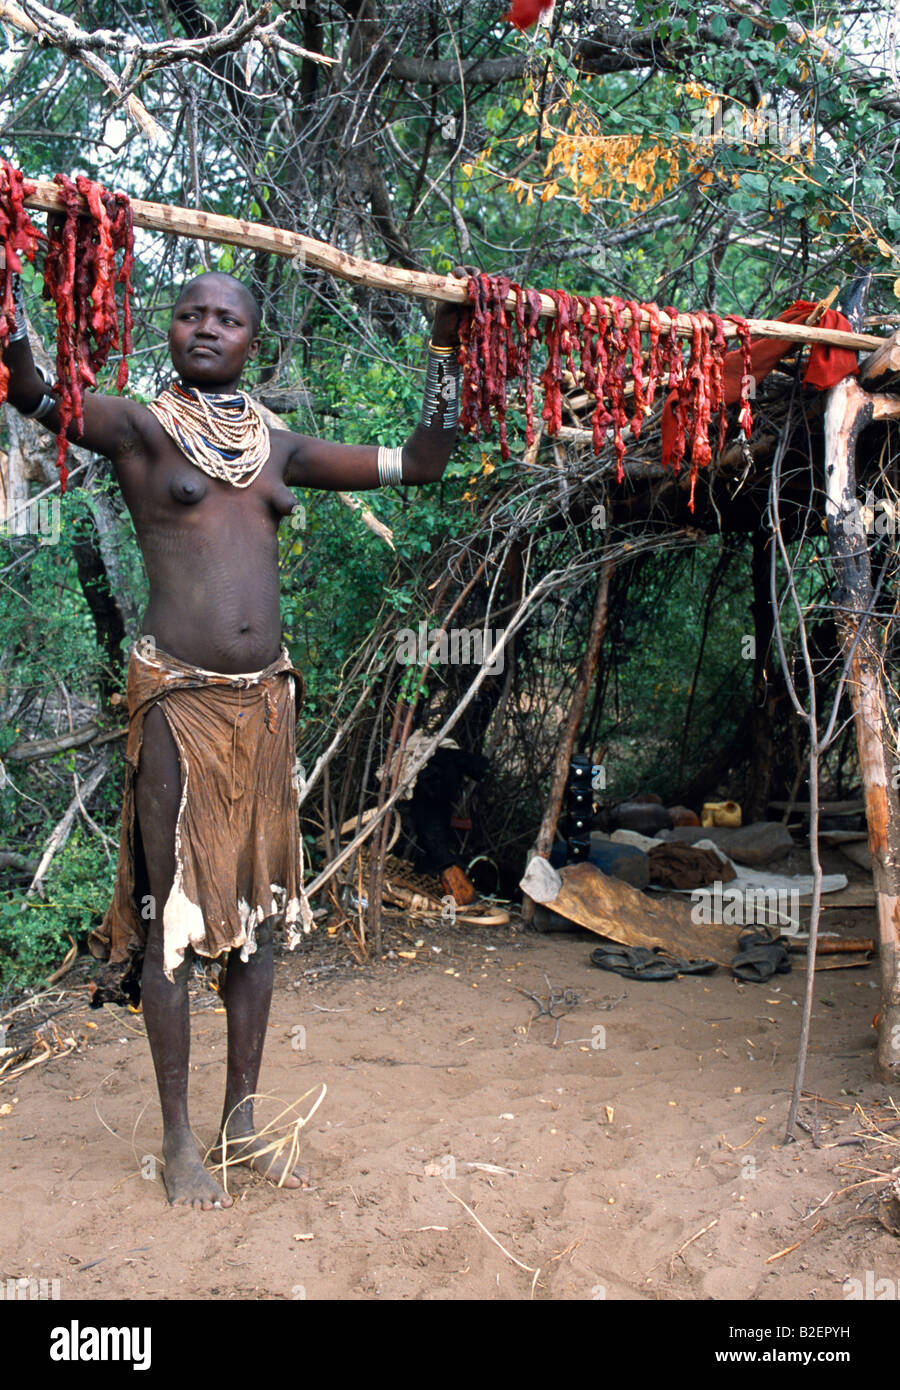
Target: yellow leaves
(897, 289)
(521, 190)
(486, 465)
(612, 165)
(467, 169)
(884, 248)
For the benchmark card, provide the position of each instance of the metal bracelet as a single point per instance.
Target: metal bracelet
(20, 331)
(46, 403)
(390, 466)
(441, 403)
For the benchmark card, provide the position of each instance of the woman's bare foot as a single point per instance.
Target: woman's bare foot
(257, 1154)
(187, 1182)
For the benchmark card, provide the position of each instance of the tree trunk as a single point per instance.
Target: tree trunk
(763, 701)
(576, 710)
(848, 410)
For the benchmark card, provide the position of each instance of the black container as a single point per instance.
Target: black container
(579, 848)
(579, 771)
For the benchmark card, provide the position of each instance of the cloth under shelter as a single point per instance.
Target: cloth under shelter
(686, 866)
(237, 837)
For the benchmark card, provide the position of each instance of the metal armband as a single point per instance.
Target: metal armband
(390, 467)
(46, 403)
(441, 389)
(20, 331)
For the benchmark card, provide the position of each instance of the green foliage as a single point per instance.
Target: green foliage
(337, 577)
(51, 634)
(34, 935)
(656, 654)
(746, 225)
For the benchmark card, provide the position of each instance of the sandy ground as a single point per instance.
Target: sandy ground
(639, 1158)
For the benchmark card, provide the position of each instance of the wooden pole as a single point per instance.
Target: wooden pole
(570, 729)
(848, 410)
(318, 255)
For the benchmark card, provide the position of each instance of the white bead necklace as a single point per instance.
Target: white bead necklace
(224, 435)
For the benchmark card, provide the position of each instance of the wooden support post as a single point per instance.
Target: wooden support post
(881, 370)
(849, 409)
(570, 728)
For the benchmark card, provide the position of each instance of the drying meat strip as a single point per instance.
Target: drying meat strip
(568, 314)
(717, 380)
(474, 327)
(615, 379)
(601, 416)
(654, 361)
(529, 331)
(698, 399)
(588, 345)
(123, 238)
(503, 354)
(80, 278)
(59, 285)
(489, 367)
(674, 367)
(633, 339)
(599, 341)
(551, 377)
(18, 237)
(745, 414)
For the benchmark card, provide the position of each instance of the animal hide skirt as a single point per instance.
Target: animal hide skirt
(237, 836)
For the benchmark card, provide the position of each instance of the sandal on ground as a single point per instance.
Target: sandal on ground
(635, 963)
(639, 963)
(760, 957)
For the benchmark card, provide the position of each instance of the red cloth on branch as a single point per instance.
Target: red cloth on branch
(827, 364)
(524, 13)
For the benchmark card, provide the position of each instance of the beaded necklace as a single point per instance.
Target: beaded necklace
(224, 435)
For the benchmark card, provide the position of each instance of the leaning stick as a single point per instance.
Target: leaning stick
(318, 255)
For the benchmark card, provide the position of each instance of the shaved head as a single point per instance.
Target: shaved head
(247, 295)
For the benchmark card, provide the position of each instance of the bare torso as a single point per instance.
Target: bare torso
(210, 549)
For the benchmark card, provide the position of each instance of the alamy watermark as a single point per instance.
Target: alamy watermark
(19, 1290)
(79, 1342)
(876, 516)
(38, 517)
(767, 124)
(722, 905)
(871, 1289)
(455, 646)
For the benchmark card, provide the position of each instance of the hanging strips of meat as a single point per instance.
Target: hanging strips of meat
(18, 237)
(599, 341)
(80, 277)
